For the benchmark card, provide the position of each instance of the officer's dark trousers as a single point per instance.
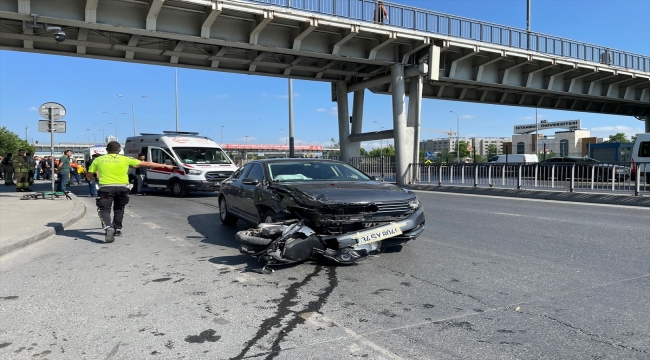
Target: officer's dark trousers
(112, 196)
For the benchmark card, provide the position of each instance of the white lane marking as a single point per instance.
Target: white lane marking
(131, 213)
(152, 225)
(507, 214)
(320, 320)
(178, 241)
(535, 200)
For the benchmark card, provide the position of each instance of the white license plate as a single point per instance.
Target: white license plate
(377, 234)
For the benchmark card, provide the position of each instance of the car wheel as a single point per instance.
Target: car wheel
(178, 189)
(270, 216)
(226, 217)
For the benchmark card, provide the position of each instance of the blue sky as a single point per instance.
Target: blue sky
(257, 106)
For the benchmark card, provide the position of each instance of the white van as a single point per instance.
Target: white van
(515, 158)
(641, 156)
(201, 162)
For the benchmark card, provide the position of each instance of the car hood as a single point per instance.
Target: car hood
(345, 192)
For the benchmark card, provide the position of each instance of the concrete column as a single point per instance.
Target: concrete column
(344, 120)
(357, 120)
(413, 123)
(402, 150)
(647, 123)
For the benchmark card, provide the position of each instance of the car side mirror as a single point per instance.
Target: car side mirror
(250, 181)
(168, 162)
(377, 178)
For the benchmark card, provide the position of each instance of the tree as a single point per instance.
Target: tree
(492, 151)
(618, 138)
(387, 151)
(633, 138)
(10, 142)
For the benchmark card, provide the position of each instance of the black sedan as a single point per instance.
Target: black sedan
(333, 198)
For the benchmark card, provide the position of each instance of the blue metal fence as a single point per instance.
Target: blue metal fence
(444, 24)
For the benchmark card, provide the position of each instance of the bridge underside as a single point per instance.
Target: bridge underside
(249, 38)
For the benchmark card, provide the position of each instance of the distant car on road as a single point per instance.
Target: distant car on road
(583, 169)
(333, 198)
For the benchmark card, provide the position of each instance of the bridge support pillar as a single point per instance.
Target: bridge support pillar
(402, 140)
(344, 121)
(647, 123)
(357, 121)
(413, 124)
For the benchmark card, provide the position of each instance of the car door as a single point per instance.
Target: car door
(251, 192)
(158, 176)
(235, 191)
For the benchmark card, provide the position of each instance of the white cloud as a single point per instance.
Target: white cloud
(280, 96)
(605, 131)
(334, 110)
(321, 109)
(467, 117)
(532, 117)
(222, 96)
(33, 108)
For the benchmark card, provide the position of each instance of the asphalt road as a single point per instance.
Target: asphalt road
(490, 278)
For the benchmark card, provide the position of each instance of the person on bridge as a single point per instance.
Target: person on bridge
(113, 186)
(380, 13)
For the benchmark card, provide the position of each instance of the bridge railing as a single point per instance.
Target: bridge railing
(444, 24)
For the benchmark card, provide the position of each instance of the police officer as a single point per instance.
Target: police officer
(112, 170)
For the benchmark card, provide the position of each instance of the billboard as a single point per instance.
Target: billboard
(544, 125)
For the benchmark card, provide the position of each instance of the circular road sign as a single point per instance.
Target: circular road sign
(58, 111)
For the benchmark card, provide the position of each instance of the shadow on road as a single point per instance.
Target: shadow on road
(85, 235)
(214, 232)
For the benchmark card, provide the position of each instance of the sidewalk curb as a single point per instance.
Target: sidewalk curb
(581, 197)
(50, 229)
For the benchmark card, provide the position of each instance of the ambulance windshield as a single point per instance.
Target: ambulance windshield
(201, 155)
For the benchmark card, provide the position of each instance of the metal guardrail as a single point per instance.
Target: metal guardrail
(622, 177)
(449, 25)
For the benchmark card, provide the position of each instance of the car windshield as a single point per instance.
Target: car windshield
(201, 155)
(314, 171)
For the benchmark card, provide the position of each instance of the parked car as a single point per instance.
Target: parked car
(515, 158)
(641, 156)
(333, 197)
(583, 169)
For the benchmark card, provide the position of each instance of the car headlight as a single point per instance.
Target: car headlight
(414, 203)
(193, 171)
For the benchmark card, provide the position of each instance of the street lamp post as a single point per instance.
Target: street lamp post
(381, 150)
(132, 109)
(221, 135)
(104, 128)
(457, 137)
(246, 136)
(115, 120)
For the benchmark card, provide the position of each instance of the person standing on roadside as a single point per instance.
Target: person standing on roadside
(37, 173)
(8, 169)
(21, 169)
(31, 167)
(74, 172)
(113, 186)
(64, 171)
(92, 184)
(45, 168)
(140, 174)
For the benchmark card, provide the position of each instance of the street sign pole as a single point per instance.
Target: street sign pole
(51, 114)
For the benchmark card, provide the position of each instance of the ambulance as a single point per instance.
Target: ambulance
(97, 149)
(200, 163)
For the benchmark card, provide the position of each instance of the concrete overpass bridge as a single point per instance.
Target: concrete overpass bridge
(419, 53)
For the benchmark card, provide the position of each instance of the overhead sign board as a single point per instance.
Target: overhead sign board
(58, 111)
(44, 126)
(530, 128)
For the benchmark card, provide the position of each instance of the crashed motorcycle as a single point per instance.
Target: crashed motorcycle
(292, 241)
